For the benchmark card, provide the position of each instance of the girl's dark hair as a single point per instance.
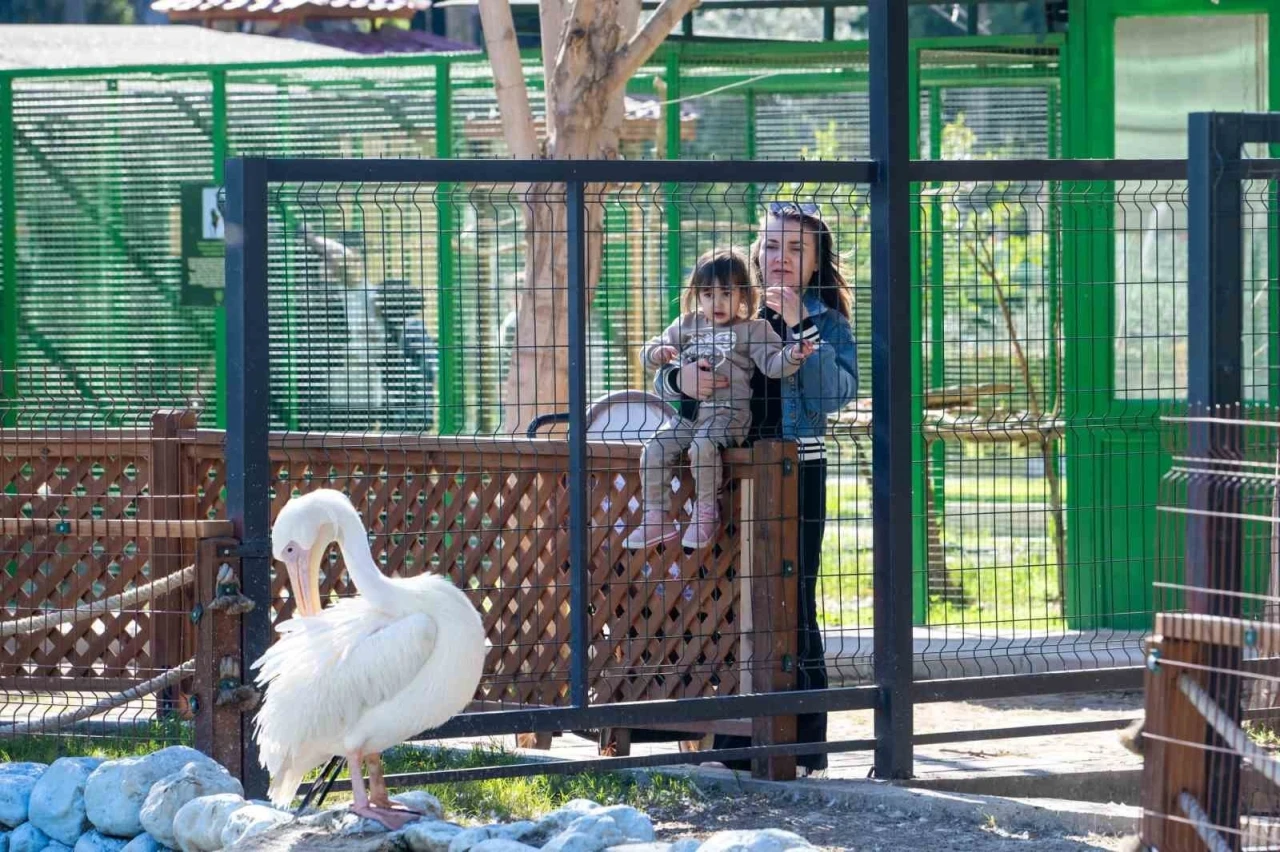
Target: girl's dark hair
(827, 279)
(721, 268)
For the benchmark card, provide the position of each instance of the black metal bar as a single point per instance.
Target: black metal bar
(248, 382)
(606, 764)
(1257, 126)
(1018, 731)
(641, 713)
(924, 171)
(891, 435)
(1215, 326)
(553, 766)
(1215, 332)
(638, 714)
(579, 514)
(1044, 683)
(562, 171)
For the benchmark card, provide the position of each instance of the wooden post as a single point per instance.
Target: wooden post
(775, 497)
(168, 612)
(218, 729)
(1173, 754)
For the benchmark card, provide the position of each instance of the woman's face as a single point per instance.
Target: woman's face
(788, 253)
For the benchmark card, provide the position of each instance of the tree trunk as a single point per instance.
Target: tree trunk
(597, 52)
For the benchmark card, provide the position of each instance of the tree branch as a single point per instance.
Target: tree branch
(645, 42)
(551, 23)
(508, 78)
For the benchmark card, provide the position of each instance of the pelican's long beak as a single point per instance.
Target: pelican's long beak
(304, 580)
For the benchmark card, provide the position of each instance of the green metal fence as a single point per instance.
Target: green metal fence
(94, 164)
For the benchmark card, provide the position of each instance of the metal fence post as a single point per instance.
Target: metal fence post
(218, 109)
(891, 385)
(1215, 330)
(579, 512)
(248, 384)
(8, 259)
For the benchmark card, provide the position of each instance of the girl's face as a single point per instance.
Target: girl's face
(719, 302)
(788, 253)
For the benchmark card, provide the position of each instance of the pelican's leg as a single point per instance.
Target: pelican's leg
(361, 806)
(378, 788)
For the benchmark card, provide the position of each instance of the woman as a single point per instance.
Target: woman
(805, 297)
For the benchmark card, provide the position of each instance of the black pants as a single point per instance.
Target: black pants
(811, 668)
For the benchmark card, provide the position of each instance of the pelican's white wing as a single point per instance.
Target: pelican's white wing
(326, 672)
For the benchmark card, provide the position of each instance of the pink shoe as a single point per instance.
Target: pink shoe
(703, 525)
(655, 528)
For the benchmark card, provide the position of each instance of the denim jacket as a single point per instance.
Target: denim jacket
(826, 383)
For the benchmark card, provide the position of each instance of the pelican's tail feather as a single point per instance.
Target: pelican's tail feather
(285, 783)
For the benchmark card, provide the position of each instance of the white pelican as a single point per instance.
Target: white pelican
(366, 673)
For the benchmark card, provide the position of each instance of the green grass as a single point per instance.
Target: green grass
(46, 748)
(847, 496)
(519, 798)
(1010, 582)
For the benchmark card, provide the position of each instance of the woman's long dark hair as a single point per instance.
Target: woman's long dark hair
(827, 279)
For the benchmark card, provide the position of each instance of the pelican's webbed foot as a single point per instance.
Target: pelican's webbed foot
(394, 820)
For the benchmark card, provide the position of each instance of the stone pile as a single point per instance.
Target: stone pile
(178, 799)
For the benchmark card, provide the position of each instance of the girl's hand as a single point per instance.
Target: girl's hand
(786, 302)
(699, 380)
(803, 350)
(663, 355)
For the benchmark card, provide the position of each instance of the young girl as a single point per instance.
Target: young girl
(805, 296)
(719, 330)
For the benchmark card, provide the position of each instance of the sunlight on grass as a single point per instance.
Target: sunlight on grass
(46, 748)
(996, 548)
(519, 798)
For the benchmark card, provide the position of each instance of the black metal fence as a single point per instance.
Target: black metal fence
(1209, 777)
(989, 594)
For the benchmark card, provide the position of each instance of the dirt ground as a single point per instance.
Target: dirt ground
(840, 827)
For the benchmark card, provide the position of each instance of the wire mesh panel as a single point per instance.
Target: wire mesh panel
(99, 544)
(96, 185)
(1211, 771)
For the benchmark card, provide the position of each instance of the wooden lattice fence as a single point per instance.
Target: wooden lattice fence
(93, 513)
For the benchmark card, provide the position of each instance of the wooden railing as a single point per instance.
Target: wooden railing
(91, 513)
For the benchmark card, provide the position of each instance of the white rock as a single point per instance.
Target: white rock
(169, 794)
(422, 802)
(16, 781)
(686, 844)
(434, 836)
(251, 820)
(57, 800)
(95, 841)
(117, 789)
(4, 841)
(765, 840)
(645, 847)
(602, 828)
(55, 846)
(635, 826)
(27, 838)
(472, 837)
(502, 844)
(198, 825)
(567, 813)
(576, 841)
(143, 843)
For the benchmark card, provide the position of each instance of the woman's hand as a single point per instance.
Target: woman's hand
(698, 380)
(787, 303)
